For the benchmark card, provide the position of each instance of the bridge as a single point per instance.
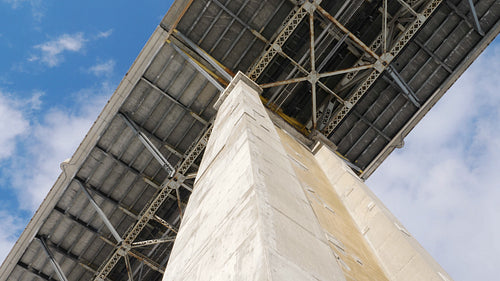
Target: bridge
(355, 75)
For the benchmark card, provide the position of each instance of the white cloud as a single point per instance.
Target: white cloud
(105, 68)
(52, 140)
(13, 124)
(11, 226)
(104, 34)
(35, 102)
(37, 9)
(444, 183)
(52, 51)
(41, 146)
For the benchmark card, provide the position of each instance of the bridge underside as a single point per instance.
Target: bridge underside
(359, 73)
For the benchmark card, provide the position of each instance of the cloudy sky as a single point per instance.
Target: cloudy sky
(61, 61)
(444, 184)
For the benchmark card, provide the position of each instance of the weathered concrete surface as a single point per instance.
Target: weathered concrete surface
(248, 217)
(398, 253)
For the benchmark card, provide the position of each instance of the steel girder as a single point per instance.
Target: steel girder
(372, 77)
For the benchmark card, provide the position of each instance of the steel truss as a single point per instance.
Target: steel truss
(385, 42)
(149, 212)
(174, 182)
(460, 68)
(388, 57)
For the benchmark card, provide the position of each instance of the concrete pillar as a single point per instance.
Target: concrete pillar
(248, 217)
(396, 250)
(266, 207)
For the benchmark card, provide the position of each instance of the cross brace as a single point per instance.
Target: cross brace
(57, 267)
(99, 211)
(294, 19)
(149, 211)
(148, 144)
(37, 272)
(372, 77)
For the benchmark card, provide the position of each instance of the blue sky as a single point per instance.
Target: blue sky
(61, 60)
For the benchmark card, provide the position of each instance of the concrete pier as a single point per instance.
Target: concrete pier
(265, 207)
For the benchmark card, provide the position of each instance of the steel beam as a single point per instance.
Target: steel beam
(125, 209)
(75, 258)
(474, 16)
(351, 81)
(153, 242)
(371, 125)
(346, 31)
(129, 268)
(198, 66)
(320, 84)
(53, 261)
(318, 76)
(407, 7)
(307, 78)
(433, 55)
(99, 211)
(165, 223)
(407, 90)
(223, 70)
(191, 176)
(96, 232)
(131, 169)
(285, 82)
(178, 19)
(293, 20)
(128, 251)
(149, 145)
(173, 150)
(149, 211)
(37, 272)
(313, 77)
(302, 60)
(165, 256)
(459, 13)
(384, 26)
(332, 51)
(347, 70)
(158, 187)
(147, 261)
(85, 225)
(244, 24)
(174, 100)
(372, 77)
